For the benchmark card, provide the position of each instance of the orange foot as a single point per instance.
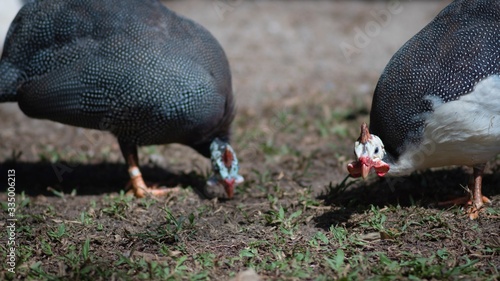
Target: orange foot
(473, 208)
(475, 201)
(141, 190)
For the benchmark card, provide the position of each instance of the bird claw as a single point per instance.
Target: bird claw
(473, 206)
(142, 192)
(139, 189)
(473, 213)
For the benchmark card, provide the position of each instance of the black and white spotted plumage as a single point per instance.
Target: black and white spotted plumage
(131, 67)
(441, 63)
(437, 102)
(134, 68)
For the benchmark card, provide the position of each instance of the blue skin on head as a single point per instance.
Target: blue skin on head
(225, 166)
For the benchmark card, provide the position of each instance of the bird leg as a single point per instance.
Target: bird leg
(139, 187)
(475, 200)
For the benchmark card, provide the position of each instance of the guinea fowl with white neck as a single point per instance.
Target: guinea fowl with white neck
(437, 102)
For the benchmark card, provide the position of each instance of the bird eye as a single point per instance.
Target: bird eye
(376, 150)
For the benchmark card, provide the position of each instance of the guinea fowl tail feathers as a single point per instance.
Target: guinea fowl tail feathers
(9, 79)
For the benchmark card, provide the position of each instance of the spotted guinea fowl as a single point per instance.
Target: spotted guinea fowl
(437, 102)
(133, 68)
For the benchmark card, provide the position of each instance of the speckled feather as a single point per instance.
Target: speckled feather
(133, 68)
(446, 59)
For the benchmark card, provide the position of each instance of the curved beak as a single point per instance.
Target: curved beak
(229, 187)
(363, 166)
(366, 166)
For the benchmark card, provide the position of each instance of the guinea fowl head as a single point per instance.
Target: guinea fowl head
(369, 151)
(225, 166)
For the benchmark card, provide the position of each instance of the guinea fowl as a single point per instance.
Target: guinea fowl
(437, 102)
(133, 68)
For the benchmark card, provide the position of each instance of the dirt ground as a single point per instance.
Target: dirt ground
(303, 75)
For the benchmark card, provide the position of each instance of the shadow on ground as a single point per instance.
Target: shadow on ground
(37, 178)
(425, 189)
